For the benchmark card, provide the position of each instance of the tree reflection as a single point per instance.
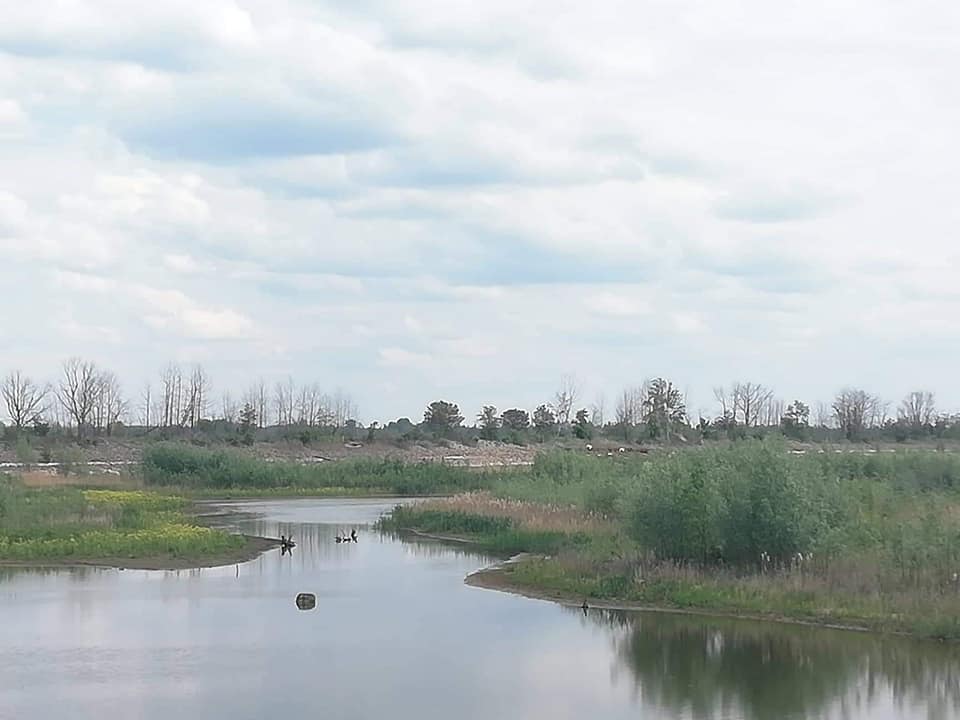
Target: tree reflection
(710, 668)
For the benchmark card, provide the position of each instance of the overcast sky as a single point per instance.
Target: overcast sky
(462, 199)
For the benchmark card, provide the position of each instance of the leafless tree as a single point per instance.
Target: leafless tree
(345, 407)
(566, 397)
(78, 391)
(197, 398)
(146, 405)
(597, 411)
(744, 403)
(24, 398)
(772, 412)
(824, 415)
(229, 408)
(284, 396)
(855, 410)
(260, 402)
(918, 409)
(727, 403)
(629, 408)
(171, 380)
(109, 405)
(750, 401)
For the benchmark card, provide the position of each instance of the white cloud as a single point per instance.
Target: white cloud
(393, 357)
(617, 305)
(346, 188)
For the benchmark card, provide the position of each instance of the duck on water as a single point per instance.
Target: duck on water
(352, 537)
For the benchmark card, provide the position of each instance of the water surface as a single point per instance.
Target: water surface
(397, 634)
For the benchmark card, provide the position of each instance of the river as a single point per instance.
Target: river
(397, 634)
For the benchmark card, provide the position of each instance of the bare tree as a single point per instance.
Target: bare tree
(597, 411)
(772, 412)
(629, 408)
(823, 416)
(344, 408)
(197, 398)
(78, 391)
(171, 380)
(284, 395)
(566, 397)
(24, 399)
(918, 409)
(229, 409)
(260, 402)
(109, 406)
(146, 405)
(750, 399)
(855, 410)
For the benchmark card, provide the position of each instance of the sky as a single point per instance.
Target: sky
(419, 200)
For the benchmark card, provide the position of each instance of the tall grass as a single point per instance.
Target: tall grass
(197, 468)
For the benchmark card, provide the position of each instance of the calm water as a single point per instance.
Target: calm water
(396, 634)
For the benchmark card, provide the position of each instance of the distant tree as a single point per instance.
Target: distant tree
(198, 397)
(918, 410)
(441, 416)
(24, 399)
(597, 411)
(629, 410)
(248, 423)
(78, 390)
(544, 421)
(146, 405)
(855, 410)
(796, 420)
(372, 431)
(109, 404)
(515, 419)
(489, 422)
(582, 427)
(284, 392)
(566, 397)
(663, 408)
(229, 410)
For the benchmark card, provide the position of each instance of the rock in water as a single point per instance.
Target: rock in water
(306, 601)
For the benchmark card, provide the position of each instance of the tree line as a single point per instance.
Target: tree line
(87, 399)
(656, 410)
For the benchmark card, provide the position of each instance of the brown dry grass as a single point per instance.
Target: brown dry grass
(43, 479)
(528, 515)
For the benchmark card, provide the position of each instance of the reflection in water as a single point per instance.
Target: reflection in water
(395, 633)
(716, 667)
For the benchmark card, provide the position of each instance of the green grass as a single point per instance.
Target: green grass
(68, 523)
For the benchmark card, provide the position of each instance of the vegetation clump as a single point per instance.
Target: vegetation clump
(866, 540)
(61, 524)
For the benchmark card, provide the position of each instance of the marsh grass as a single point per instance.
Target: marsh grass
(68, 523)
(879, 535)
(199, 469)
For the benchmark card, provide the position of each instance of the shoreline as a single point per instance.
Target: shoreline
(495, 578)
(253, 548)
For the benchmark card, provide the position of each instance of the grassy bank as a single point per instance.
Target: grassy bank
(867, 541)
(115, 527)
(199, 470)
